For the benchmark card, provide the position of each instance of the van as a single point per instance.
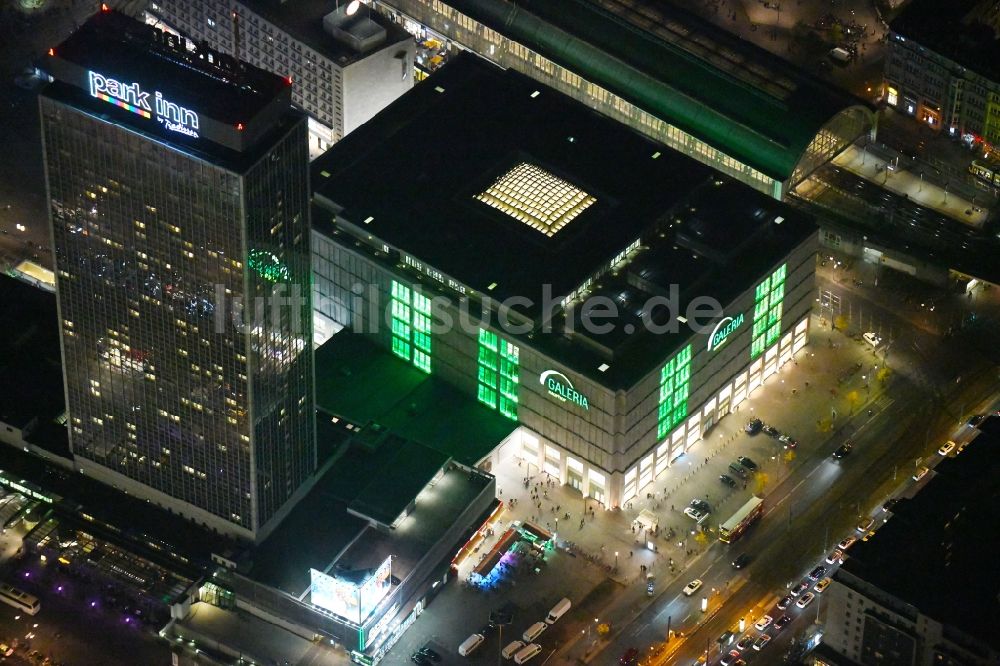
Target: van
(470, 644)
(738, 470)
(527, 652)
(512, 648)
(558, 610)
(840, 55)
(534, 631)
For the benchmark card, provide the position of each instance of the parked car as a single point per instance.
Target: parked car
(728, 480)
(761, 642)
(748, 463)
(872, 338)
(865, 524)
(753, 426)
(785, 602)
(431, 654)
(770, 431)
(920, 473)
(805, 600)
(700, 504)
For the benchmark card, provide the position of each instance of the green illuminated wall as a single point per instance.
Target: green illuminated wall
(768, 299)
(675, 379)
(497, 373)
(411, 326)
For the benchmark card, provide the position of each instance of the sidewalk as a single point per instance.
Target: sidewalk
(785, 401)
(912, 185)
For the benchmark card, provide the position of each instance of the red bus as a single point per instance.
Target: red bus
(733, 529)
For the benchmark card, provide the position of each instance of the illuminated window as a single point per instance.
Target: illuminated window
(675, 379)
(537, 198)
(892, 96)
(411, 326)
(767, 310)
(498, 370)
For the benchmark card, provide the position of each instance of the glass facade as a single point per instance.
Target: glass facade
(498, 373)
(675, 379)
(767, 309)
(185, 372)
(411, 326)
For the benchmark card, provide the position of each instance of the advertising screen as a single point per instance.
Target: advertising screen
(348, 599)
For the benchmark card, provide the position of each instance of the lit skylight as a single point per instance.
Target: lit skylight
(534, 196)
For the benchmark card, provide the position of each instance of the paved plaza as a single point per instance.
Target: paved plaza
(603, 560)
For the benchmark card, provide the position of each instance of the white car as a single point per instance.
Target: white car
(847, 543)
(836, 557)
(805, 600)
(920, 473)
(866, 524)
(946, 448)
(692, 587)
(872, 338)
(763, 623)
(695, 514)
(761, 642)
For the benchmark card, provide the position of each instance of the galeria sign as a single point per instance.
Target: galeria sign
(722, 330)
(559, 386)
(131, 97)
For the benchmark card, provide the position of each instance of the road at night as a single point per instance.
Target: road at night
(812, 510)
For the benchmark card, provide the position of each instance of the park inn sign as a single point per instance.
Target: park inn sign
(561, 388)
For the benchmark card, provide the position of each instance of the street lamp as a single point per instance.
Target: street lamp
(616, 560)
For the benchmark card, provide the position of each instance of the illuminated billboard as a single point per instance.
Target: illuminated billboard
(350, 599)
(131, 97)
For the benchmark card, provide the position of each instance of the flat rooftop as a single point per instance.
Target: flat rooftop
(383, 397)
(963, 32)
(348, 540)
(303, 20)
(472, 210)
(931, 554)
(484, 123)
(730, 93)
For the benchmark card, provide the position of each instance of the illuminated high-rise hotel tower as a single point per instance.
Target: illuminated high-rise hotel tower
(179, 202)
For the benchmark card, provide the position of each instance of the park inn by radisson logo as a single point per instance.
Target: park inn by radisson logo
(131, 97)
(559, 386)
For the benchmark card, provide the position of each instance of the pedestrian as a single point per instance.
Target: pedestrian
(630, 553)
